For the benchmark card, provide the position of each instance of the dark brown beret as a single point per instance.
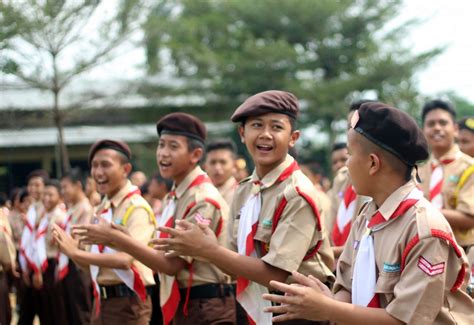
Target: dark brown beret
(391, 129)
(116, 145)
(271, 101)
(182, 124)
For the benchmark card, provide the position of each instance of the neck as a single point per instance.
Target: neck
(440, 152)
(180, 178)
(79, 197)
(263, 170)
(116, 190)
(387, 185)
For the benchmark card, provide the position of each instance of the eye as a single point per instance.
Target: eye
(256, 124)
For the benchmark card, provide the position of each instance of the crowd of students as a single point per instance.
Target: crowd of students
(204, 242)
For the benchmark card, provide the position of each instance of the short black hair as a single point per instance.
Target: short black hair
(339, 146)
(438, 104)
(75, 175)
(41, 173)
(356, 104)
(144, 188)
(3, 199)
(315, 167)
(222, 144)
(18, 192)
(54, 183)
(160, 180)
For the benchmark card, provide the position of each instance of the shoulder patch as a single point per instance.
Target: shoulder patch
(430, 269)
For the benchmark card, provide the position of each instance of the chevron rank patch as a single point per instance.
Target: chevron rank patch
(430, 269)
(201, 220)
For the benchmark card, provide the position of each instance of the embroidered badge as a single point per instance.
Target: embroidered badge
(267, 223)
(428, 268)
(201, 220)
(453, 178)
(354, 119)
(391, 268)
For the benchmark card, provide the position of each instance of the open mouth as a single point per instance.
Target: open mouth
(102, 182)
(264, 147)
(165, 164)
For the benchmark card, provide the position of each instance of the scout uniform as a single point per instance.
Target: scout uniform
(227, 189)
(77, 283)
(276, 218)
(117, 302)
(17, 222)
(402, 256)
(7, 261)
(200, 293)
(345, 205)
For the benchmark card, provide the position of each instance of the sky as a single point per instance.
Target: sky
(450, 24)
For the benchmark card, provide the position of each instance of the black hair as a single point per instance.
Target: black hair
(3, 199)
(314, 167)
(466, 123)
(160, 180)
(18, 192)
(75, 175)
(144, 188)
(358, 103)
(222, 144)
(438, 104)
(41, 173)
(54, 183)
(339, 146)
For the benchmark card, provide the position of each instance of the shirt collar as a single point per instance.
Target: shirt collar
(269, 179)
(183, 186)
(117, 198)
(389, 206)
(452, 154)
(228, 184)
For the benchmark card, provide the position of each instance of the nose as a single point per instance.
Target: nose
(265, 134)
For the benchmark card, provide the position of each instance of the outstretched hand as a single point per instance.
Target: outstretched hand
(305, 299)
(101, 233)
(65, 242)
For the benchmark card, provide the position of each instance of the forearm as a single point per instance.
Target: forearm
(156, 260)
(112, 261)
(251, 268)
(345, 313)
(343, 296)
(458, 219)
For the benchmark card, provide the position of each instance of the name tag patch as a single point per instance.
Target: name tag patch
(267, 223)
(453, 179)
(391, 268)
(430, 269)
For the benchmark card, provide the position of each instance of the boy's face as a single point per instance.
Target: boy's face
(69, 190)
(357, 163)
(109, 172)
(220, 166)
(338, 159)
(268, 138)
(35, 188)
(51, 198)
(174, 159)
(466, 142)
(440, 130)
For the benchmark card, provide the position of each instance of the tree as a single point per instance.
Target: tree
(46, 44)
(327, 52)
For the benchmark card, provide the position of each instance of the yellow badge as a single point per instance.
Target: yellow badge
(470, 123)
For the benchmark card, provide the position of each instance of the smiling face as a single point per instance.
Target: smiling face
(109, 171)
(466, 142)
(35, 188)
(440, 131)
(338, 159)
(173, 157)
(220, 165)
(51, 198)
(268, 138)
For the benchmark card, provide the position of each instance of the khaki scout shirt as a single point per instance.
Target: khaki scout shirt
(336, 195)
(412, 295)
(81, 212)
(296, 233)
(7, 246)
(192, 201)
(451, 175)
(55, 216)
(139, 224)
(17, 223)
(227, 189)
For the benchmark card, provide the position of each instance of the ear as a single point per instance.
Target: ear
(375, 164)
(295, 135)
(241, 133)
(456, 130)
(196, 155)
(127, 169)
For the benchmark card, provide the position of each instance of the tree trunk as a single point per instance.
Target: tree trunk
(64, 165)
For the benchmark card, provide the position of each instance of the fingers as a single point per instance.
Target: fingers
(170, 231)
(184, 224)
(279, 299)
(285, 288)
(301, 279)
(318, 283)
(172, 254)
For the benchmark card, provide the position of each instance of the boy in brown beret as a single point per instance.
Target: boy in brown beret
(192, 291)
(121, 284)
(275, 222)
(401, 263)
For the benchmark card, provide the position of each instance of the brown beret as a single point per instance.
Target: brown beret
(271, 101)
(116, 145)
(391, 129)
(182, 124)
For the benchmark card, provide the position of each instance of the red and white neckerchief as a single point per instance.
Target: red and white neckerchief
(33, 243)
(169, 289)
(342, 226)
(249, 293)
(436, 180)
(131, 277)
(365, 270)
(63, 260)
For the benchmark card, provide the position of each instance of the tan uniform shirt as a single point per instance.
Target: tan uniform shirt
(193, 200)
(336, 195)
(55, 216)
(227, 189)
(17, 223)
(139, 224)
(325, 208)
(412, 295)
(451, 175)
(81, 212)
(297, 231)
(7, 246)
